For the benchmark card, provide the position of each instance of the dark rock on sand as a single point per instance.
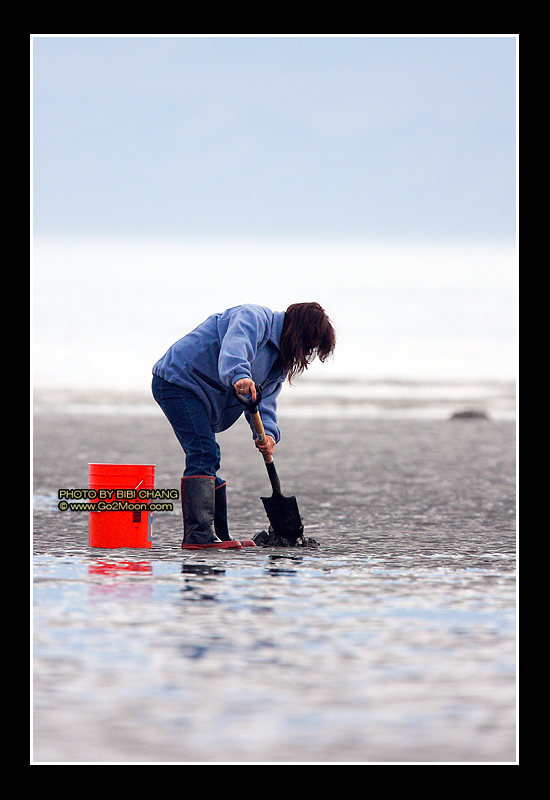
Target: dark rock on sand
(470, 414)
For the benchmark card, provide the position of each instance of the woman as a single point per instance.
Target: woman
(193, 383)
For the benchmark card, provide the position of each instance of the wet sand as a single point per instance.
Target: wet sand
(392, 642)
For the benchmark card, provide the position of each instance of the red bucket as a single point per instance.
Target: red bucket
(122, 518)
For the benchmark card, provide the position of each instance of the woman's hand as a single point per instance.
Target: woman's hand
(267, 447)
(246, 386)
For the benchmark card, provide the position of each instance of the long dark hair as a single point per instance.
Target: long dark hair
(307, 333)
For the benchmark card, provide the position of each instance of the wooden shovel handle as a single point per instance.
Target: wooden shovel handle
(260, 433)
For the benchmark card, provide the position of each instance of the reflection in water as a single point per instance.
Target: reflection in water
(199, 585)
(115, 568)
(201, 569)
(277, 566)
(119, 580)
(274, 658)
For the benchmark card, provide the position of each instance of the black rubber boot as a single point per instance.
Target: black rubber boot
(220, 518)
(198, 504)
(220, 513)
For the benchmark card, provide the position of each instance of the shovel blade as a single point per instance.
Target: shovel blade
(284, 516)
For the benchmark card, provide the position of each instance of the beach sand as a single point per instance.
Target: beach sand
(393, 641)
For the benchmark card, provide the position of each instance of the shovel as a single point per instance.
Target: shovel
(281, 511)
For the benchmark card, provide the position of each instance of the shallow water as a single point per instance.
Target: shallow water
(392, 642)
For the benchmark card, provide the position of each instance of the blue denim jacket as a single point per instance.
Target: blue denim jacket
(242, 342)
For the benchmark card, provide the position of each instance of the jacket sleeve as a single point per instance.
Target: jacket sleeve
(245, 332)
(268, 412)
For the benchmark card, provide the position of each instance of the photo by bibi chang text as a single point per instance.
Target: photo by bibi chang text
(116, 499)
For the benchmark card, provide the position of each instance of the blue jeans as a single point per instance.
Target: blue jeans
(187, 416)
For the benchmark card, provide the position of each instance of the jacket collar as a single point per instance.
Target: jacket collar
(277, 327)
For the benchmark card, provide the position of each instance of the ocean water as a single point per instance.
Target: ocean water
(104, 310)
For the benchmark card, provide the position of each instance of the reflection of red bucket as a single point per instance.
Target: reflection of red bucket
(122, 486)
(115, 568)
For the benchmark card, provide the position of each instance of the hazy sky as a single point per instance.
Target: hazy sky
(343, 136)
